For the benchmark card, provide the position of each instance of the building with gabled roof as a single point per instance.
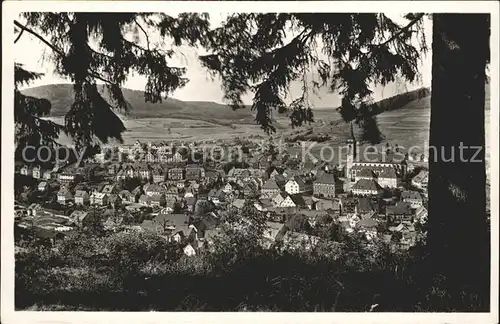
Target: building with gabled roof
(270, 189)
(365, 187)
(325, 186)
(414, 198)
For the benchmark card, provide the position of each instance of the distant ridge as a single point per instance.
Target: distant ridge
(61, 98)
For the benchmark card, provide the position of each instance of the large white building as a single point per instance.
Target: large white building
(295, 185)
(385, 166)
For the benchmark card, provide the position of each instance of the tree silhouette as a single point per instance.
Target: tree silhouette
(457, 190)
(30, 128)
(250, 52)
(95, 52)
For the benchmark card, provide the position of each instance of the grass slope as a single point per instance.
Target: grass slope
(61, 97)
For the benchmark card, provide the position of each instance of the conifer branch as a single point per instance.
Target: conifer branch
(19, 36)
(144, 31)
(56, 50)
(417, 18)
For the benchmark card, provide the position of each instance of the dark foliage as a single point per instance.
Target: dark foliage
(92, 48)
(350, 52)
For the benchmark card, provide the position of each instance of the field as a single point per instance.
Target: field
(407, 127)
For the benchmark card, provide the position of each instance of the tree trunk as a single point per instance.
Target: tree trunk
(458, 239)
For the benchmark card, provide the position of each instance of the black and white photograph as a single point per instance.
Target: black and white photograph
(177, 161)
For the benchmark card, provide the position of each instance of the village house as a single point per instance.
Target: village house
(66, 177)
(365, 173)
(325, 186)
(289, 173)
(127, 196)
(47, 175)
(121, 175)
(151, 157)
(421, 180)
(33, 209)
(400, 213)
(113, 168)
(347, 205)
(412, 197)
(144, 200)
(130, 171)
(295, 185)
(190, 203)
(273, 232)
(82, 197)
(295, 240)
(297, 201)
(189, 193)
(64, 196)
(249, 189)
(238, 203)
(154, 189)
(158, 175)
(176, 226)
(24, 170)
(189, 250)
(213, 196)
(387, 178)
(42, 186)
(210, 177)
(172, 192)
(137, 192)
(99, 198)
(156, 200)
(79, 217)
(365, 187)
(279, 198)
(366, 208)
(368, 226)
(327, 204)
(274, 173)
(114, 200)
(36, 172)
(421, 215)
(176, 158)
(143, 172)
(228, 188)
(176, 174)
(194, 172)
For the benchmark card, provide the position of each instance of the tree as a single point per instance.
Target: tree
(94, 51)
(457, 189)
(30, 128)
(250, 52)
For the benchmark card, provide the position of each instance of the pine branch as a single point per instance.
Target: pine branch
(32, 32)
(145, 34)
(417, 18)
(56, 50)
(19, 36)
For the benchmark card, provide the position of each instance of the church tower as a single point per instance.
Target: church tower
(351, 155)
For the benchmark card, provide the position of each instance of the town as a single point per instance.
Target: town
(145, 187)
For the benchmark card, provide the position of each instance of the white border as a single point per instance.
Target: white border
(10, 10)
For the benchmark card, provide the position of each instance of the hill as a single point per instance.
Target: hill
(61, 97)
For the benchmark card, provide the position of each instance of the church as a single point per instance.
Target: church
(382, 167)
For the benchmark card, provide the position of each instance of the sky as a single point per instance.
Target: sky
(201, 87)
